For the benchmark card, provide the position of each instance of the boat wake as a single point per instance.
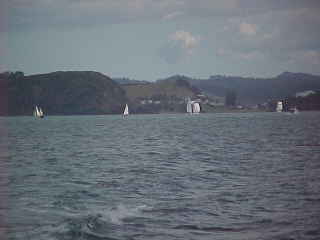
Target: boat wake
(122, 213)
(96, 224)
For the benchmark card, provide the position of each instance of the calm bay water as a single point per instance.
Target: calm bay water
(210, 176)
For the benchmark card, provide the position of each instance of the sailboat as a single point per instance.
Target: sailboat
(196, 108)
(38, 112)
(126, 111)
(279, 107)
(193, 107)
(41, 113)
(189, 106)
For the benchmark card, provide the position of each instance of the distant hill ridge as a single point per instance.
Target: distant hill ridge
(259, 90)
(251, 90)
(88, 92)
(83, 92)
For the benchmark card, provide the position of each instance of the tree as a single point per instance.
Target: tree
(16, 75)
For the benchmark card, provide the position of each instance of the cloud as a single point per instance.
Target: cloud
(180, 45)
(185, 40)
(232, 28)
(172, 15)
(248, 29)
(310, 57)
(35, 13)
(276, 34)
(251, 55)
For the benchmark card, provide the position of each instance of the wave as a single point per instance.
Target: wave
(208, 229)
(120, 213)
(107, 224)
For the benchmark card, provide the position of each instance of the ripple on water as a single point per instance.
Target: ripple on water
(211, 176)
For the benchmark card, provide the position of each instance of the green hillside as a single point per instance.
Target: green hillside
(160, 90)
(87, 92)
(66, 93)
(162, 96)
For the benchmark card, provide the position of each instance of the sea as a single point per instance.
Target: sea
(234, 176)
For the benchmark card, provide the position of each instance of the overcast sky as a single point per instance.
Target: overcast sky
(151, 39)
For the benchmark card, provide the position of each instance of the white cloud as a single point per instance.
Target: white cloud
(186, 40)
(311, 57)
(252, 55)
(236, 54)
(180, 46)
(172, 15)
(248, 29)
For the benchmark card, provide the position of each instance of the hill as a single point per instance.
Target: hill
(309, 100)
(258, 90)
(174, 87)
(72, 92)
(128, 81)
(87, 92)
(166, 95)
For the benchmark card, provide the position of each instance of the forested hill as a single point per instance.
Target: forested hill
(67, 93)
(167, 95)
(258, 90)
(87, 92)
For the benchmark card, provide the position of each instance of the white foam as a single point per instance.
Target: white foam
(118, 214)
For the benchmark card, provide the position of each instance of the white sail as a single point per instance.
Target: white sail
(126, 110)
(279, 106)
(189, 106)
(38, 112)
(196, 107)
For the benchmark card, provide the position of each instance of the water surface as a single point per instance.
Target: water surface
(175, 176)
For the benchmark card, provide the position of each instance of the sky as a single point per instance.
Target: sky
(152, 39)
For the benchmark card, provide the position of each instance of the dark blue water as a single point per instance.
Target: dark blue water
(210, 176)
